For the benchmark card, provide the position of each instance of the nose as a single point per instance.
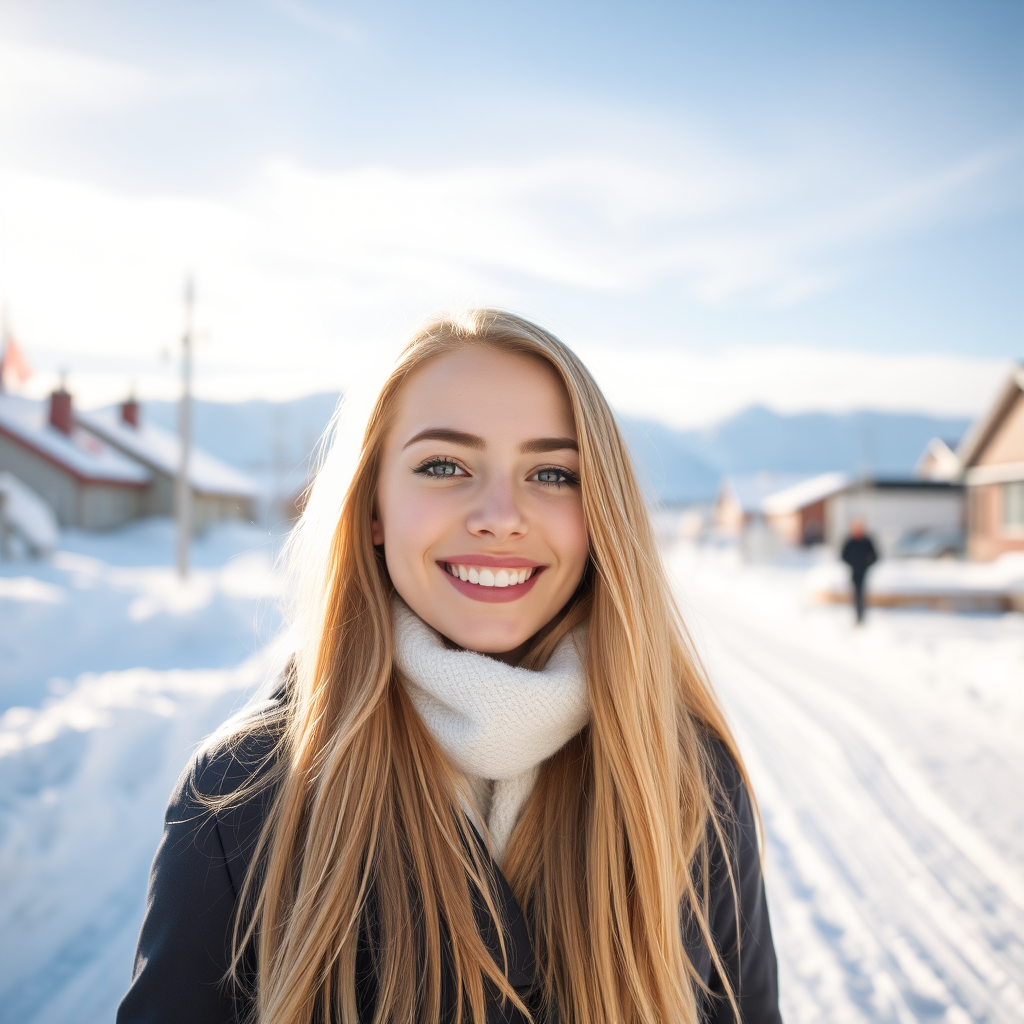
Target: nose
(496, 515)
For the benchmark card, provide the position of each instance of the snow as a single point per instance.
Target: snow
(805, 493)
(888, 764)
(95, 729)
(161, 450)
(750, 490)
(115, 602)
(887, 761)
(81, 452)
(27, 516)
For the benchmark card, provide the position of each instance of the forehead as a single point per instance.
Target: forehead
(485, 391)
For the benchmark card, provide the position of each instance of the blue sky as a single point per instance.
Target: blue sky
(817, 181)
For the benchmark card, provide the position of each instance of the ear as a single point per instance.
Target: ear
(376, 531)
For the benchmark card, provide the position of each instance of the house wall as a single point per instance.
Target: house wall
(160, 496)
(728, 514)
(90, 506)
(55, 486)
(208, 509)
(812, 523)
(889, 513)
(102, 506)
(788, 526)
(803, 526)
(988, 534)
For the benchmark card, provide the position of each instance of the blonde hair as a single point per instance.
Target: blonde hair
(613, 846)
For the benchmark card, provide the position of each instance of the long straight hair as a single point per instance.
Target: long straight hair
(365, 836)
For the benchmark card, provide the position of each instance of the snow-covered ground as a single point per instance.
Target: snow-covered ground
(888, 762)
(110, 671)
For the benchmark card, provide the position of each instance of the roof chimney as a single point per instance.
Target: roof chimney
(130, 412)
(61, 416)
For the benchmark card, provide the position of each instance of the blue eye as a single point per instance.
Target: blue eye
(554, 477)
(439, 468)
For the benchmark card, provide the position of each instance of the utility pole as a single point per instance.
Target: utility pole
(182, 490)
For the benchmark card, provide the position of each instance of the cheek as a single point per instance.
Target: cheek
(567, 535)
(411, 523)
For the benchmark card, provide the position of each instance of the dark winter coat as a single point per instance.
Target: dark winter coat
(859, 554)
(203, 857)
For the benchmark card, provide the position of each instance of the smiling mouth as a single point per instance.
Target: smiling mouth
(485, 576)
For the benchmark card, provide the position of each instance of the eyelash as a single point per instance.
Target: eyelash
(568, 476)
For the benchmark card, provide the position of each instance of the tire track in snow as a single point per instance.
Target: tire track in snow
(888, 907)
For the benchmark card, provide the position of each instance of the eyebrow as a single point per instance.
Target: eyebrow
(548, 444)
(535, 446)
(459, 437)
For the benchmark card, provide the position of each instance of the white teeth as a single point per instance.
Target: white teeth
(485, 577)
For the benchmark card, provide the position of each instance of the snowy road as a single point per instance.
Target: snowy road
(889, 904)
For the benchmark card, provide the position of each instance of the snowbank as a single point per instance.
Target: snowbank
(83, 783)
(115, 602)
(27, 517)
(96, 729)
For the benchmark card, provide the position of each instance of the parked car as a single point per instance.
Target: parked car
(930, 543)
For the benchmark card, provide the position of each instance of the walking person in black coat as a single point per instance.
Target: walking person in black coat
(859, 554)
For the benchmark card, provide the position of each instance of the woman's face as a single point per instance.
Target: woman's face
(478, 501)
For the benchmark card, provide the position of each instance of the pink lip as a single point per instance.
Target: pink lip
(491, 595)
(492, 561)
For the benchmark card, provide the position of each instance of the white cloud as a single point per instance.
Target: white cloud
(305, 277)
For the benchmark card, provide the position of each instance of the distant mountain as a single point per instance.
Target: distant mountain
(686, 465)
(879, 443)
(272, 441)
(671, 466)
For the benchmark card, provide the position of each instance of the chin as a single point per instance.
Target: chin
(488, 640)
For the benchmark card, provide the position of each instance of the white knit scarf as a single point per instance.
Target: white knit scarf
(495, 722)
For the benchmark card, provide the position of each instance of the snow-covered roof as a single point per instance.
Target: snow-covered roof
(805, 493)
(161, 450)
(982, 430)
(938, 461)
(80, 453)
(751, 490)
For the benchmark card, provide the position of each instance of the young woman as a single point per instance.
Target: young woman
(495, 784)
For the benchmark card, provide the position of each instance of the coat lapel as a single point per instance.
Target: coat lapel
(521, 966)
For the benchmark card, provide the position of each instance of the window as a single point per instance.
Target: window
(1013, 505)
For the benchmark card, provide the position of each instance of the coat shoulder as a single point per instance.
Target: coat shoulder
(725, 774)
(213, 823)
(242, 751)
(239, 754)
